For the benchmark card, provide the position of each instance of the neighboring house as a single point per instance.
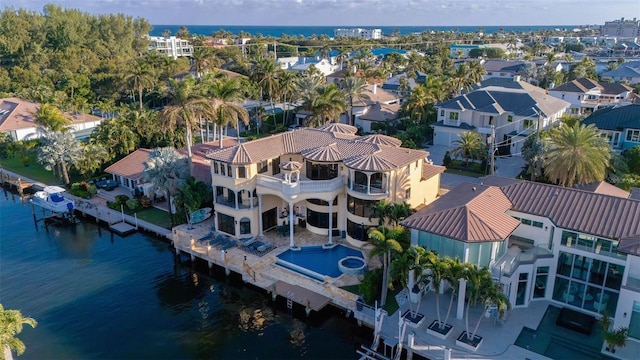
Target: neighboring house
(577, 249)
(170, 46)
(17, 118)
(301, 64)
(393, 84)
(513, 112)
(620, 124)
(384, 104)
(461, 51)
(324, 178)
(627, 72)
(502, 68)
(586, 95)
(128, 170)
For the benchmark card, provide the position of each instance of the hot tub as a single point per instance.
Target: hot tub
(352, 265)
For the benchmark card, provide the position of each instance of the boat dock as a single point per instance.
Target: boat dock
(12, 181)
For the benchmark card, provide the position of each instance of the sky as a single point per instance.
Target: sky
(356, 12)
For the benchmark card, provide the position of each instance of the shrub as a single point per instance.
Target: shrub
(446, 161)
(83, 189)
(370, 286)
(122, 199)
(133, 204)
(145, 201)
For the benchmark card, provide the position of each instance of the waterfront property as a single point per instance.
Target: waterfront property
(170, 46)
(325, 180)
(18, 119)
(575, 248)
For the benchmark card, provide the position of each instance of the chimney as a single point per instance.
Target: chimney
(516, 78)
(375, 86)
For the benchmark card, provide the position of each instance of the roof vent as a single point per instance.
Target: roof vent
(556, 193)
(474, 188)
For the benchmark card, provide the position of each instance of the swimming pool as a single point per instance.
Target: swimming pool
(317, 260)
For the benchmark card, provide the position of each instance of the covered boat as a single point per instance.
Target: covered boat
(51, 198)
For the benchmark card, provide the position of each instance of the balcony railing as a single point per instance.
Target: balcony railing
(301, 186)
(509, 262)
(633, 282)
(362, 188)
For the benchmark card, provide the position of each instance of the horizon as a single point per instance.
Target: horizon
(368, 13)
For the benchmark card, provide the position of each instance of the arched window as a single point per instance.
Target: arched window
(360, 181)
(245, 226)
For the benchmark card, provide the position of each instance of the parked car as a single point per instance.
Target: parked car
(294, 127)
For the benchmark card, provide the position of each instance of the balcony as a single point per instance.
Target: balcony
(509, 262)
(373, 189)
(633, 282)
(301, 187)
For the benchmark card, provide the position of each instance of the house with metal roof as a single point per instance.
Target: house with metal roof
(326, 179)
(513, 113)
(628, 72)
(503, 68)
(578, 248)
(587, 95)
(18, 119)
(620, 124)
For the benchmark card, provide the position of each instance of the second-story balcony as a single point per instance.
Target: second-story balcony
(511, 260)
(302, 186)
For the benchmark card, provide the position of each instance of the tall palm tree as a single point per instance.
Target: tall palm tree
(116, 136)
(455, 271)
(476, 72)
(167, 170)
(93, 156)
(468, 146)
(141, 76)
(327, 106)
(438, 268)
(227, 111)
(460, 79)
(187, 105)
(576, 155)
(203, 60)
(483, 290)
(355, 89)
(381, 211)
(59, 150)
(265, 73)
(287, 89)
(343, 55)
(11, 324)
(386, 243)
(398, 212)
(409, 268)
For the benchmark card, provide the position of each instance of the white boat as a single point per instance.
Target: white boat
(51, 198)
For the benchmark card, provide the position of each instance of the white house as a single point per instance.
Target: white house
(628, 72)
(512, 113)
(367, 34)
(586, 95)
(17, 118)
(301, 64)
(170, 46)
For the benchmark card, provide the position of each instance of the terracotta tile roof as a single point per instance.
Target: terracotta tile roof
(131, 166)
(603, 188)
(381, 140)
(16, 113)
(307, 141)
(328, 153)
(430, 170)
(469, 213)
(339, 128)
(370, 162)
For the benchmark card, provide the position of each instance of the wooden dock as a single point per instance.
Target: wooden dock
(11, 181)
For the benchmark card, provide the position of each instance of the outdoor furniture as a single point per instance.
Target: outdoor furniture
(600, 303)
(207, 237)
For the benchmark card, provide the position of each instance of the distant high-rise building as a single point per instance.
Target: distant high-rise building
(359, 33)
(622, 28)
(171, 46)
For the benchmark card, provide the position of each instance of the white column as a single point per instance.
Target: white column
(368, 184)
(330, 222)
(462, 289)
(291, 215)
(235, 194)
(260, 213)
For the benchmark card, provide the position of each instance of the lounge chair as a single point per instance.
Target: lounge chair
(229, 245)
(215, 241)
(264, 247)
(207, 237)
(224, 242)
(249, 242)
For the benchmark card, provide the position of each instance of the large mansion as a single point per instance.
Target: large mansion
(579, 248)
(326, 178)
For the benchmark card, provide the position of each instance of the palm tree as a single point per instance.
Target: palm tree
(380, 211)
(455, 271)
(186, 106)
(141, 76)
(226, 95)
(354, 88)
(461, 80)
(265, 74)
(409, 269)
(343, 55)
(287, 89)
(116, 136)
(59, 150)
(482, 290)
(439, 269)
(533, 150)
(11, 323)
(468, 146)
(203, 60)
(167, 170)
(576, 155)
(386, 242)
(398, 212)
(476, 72)
(326, 106)
(93, 156)
(49, 116)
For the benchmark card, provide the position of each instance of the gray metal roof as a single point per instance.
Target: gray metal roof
(615, 118)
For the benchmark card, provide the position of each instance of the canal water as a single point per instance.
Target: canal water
(97, 295)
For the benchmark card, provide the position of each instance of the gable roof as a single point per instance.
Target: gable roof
(615, 118)
(381, 112)
(623, 71)
(131, 166)
(584, 85)
(469, 213)
(503, 66)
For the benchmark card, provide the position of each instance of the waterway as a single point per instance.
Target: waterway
(97, 295)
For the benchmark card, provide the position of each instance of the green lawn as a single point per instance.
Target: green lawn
(34, 171)
(154, 216)
(391, 306)
(464, 173)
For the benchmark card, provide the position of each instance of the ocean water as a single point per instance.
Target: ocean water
(307, 31)
(97, 295)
